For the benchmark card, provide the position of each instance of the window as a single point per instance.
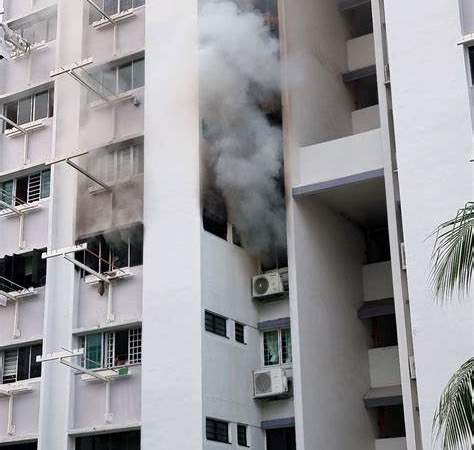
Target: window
(242, 435)
(471, 63)
(20, 363)
(112, 7)
(214, 215)
(112, 348)
(277, 347)
(26, 270)
(34, 107)
(217, 430)
(119, 165)
(126, 440)
(37, 29)
(28, 446)
(118, 248)
(29, 189)
(240, 332)
(123, 78)
(215, 324)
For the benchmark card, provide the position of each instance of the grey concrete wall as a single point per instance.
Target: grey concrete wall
(331, 361)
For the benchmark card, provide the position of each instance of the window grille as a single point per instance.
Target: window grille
(109, 339)
(38, 186)
(242, 435)
(277, 347)
(217, 430)
(10, 363)
(135, 345)
(286, 354)
(240, 332)
(215, 324)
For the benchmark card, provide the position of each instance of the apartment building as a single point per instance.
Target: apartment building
(131, 315)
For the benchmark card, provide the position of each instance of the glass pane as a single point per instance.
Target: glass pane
(270, 348)
(41, 105)
(125, 77)
(110, 6)
(138, 73)
(6, 192)
(40, 30)
(11, 112)
(94, 15)
(93, 351)
(52, 27)
(24, 110)
(286, 346)
(125, 4)
(45, 183)
(109, 81)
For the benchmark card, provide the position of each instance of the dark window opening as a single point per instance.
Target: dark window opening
(365, 92)
(240, 332)
(277, 258)
(25, 270)
(214, 215)
(242, 435)
(390, 422)
(215, 324)
(360, 20)
(128, 440)
(115, 249)
(269, 9)
(27, 446)
(377, 245)
(281, 439)
(20, 363)
(121, 348)
(384, 331)
(217, 430)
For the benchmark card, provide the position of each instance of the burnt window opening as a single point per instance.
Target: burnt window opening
(27, 270)
(281, 439)
(276, 258)
(114, 249)
(390, 422)
(126, 440)
(214, 215)
(18, 364)
(384, 331)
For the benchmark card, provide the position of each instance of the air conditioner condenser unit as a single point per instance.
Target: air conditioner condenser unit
(270, 382)
(267, 284)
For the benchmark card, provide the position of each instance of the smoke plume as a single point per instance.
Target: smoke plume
(242, 150)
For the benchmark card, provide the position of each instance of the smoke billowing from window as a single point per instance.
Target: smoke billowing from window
(242, 149)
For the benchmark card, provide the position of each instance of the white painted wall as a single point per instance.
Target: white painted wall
(391, 444)
(172, 305)
(360, 52)
(340, 158)
(331, 365)
(434, 141)
(377, 281)
(365, 119)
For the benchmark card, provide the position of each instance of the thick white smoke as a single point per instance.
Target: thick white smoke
(240, 72)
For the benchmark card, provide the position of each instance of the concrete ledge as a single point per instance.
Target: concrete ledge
(387, 396)
(399, 443)
(331, 184)
(287, 422)
(376, 308)
(273, 324)
(358, 74)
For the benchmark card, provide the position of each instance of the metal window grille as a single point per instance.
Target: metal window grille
(215, 324)
(242, 435)
(271, 348)
(240, 332)
(34, 187)
(135, 345)
(109, 346)
(286, 355)
(217, 430)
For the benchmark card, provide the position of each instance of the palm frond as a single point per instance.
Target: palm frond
(452, 422)
(452, 258)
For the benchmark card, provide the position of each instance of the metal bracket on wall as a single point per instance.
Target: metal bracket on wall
(10, 391)
(22, 131)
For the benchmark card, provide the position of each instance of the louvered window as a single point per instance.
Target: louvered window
(217, 430)
(215, 324)
(240, 332)
(20, 363)
(38, 186)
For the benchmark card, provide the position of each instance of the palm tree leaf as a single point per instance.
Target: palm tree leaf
(453, 254)
(453, 423)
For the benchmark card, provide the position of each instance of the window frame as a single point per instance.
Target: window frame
(93, 13)
(33, 22)
(280, 348)
(3, 354)
(108, 356)
(111, 158)
(32, 99)
(246, 436)
(212, 330)
(215, 422)
(41, 195)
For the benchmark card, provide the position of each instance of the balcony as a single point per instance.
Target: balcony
(377, 281)
(347, 158)
(384, 367)
(360, 52)
(365, 119)
(399, 443)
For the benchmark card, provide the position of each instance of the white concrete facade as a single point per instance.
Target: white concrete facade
(378, 133)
